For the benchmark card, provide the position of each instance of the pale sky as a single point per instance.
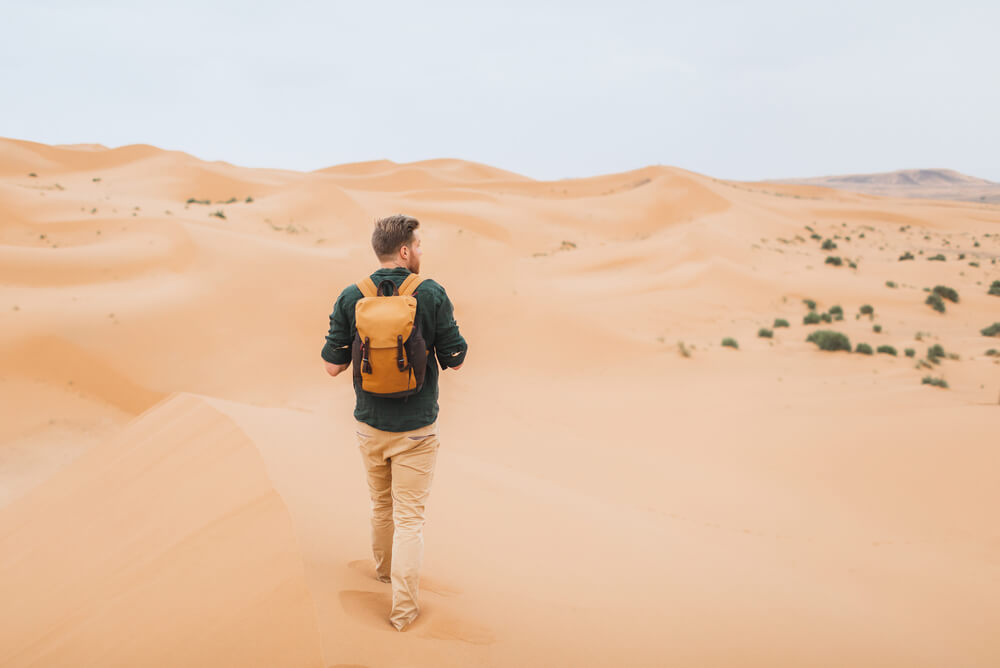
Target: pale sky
(741, 90)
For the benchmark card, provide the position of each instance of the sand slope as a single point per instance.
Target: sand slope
(164, 546)
(602, 499)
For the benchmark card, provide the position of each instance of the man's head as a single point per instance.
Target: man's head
(396, 242)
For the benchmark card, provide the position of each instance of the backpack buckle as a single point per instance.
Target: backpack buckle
(400, 361)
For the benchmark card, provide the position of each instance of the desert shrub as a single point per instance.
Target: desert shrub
(992, 330)
(934, 301)
(890, 284)
(827, 339)
(815, 236)
(249, 199)
(780, 322)
(825, 317)
(910, 352)
(948, 293)
(973, 264)
(764, 332)
(852, 264)
(877, 328)
(730, 342)
(811, 318)
(935, 353)
(939, 257)
(976, 244)
(936, 382)
(888, 350)
(192, 200)
(994, 289)
(834, 260)
(218, 214)
(906, 256)
(993, 352)
(828, 245)
(810, 304)
(867, 309)
(961, 256)
(863, 348)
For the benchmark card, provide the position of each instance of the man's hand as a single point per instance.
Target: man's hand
(334, 369)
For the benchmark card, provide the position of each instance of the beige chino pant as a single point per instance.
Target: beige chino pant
(400, 469)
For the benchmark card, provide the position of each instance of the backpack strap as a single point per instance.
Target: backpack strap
(367, 287)
(410, 284)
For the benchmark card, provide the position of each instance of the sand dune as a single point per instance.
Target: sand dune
(179, 484)
(166, 545)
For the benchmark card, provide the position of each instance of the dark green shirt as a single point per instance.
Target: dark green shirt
(435, 313)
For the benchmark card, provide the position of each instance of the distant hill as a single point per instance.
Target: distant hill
(926, 183)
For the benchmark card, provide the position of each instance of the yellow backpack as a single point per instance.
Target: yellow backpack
(389, 353)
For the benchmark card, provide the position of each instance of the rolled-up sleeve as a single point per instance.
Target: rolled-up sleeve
(337, 349)
(449, 344)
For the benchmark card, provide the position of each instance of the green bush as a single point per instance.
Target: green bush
(218, 214)
(836, 310)
(906, 256)
(815, 236)
(192, 200)
(780, 322)
(810, 304)
(877, 328)
(993, 352)
(935, 302)
(730, 342)
(867, 309)
(948, 293)
(889, 350)
(890, 284)
(834, 260)
(827, 339)
(829, 245)
(851, 264)
(910, 352)
(935, 353)
(939, 257)
(936, 382)
(975, 264)
(765, 333)
(811, 318)
(992, 330)
(994, 289)
(825, 317)
(863, 348)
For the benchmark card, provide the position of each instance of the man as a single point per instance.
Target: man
(398, 438)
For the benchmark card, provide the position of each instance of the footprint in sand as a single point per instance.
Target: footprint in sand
(367, 567)
(369, 607)
(440, 627)
(372, 609)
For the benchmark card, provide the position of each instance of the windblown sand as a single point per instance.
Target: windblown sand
(180, 485)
